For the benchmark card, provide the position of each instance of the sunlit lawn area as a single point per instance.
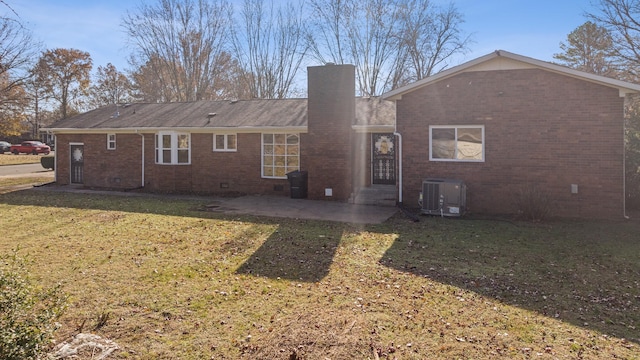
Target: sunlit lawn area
(164, 279)
(10, 159)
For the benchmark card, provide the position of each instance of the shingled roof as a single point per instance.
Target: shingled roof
(247, 115)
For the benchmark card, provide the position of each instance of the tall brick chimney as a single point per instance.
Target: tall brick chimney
(326, 150)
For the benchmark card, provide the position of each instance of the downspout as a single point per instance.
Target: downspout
(400, 206)
(142, 136)
(396, 133)
(624, 169)
(55, 158)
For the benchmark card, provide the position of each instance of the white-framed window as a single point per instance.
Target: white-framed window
(225, 142)
(111, 141)
(173, 148)
(280, 155)
(456, 143)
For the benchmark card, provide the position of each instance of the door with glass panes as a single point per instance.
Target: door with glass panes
(383, 159)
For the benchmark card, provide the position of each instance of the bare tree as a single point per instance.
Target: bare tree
(373, 42)
(362, 33)
(329, 19)
(109, 87)
(589, 48)
(17, 53)
(179, 42)
(430, 36)
(65, 75)
(622, 19)
(37, 96)
(271, 47)
(230, 82)
(148, 82)
(391, 42)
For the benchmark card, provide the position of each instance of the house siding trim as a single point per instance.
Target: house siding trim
(484, 64)
(205, 130)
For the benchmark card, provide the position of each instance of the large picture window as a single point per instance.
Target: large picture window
(280, 154)
(173, 148)
(456, 143)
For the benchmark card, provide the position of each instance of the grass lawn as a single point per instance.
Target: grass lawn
(9, 184)
(166, 280)
(10, 159)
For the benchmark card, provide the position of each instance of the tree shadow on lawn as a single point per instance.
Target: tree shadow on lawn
(297, 253)
(584, 273)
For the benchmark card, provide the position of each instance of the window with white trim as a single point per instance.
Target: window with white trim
(280, 155)
(173, 148)
(111, 141)
(456, 143)
(225, 142)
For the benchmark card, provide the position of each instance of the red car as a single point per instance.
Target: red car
(31, 147)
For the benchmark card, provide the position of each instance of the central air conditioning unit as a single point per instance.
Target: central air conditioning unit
(444, 197)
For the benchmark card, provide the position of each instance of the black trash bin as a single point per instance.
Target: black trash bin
(298, 184)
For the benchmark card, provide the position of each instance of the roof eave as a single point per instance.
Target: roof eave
(624, 87)
(209, 129)
(397, 93)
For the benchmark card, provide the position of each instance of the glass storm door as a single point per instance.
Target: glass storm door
(383, 159)
(77, 164)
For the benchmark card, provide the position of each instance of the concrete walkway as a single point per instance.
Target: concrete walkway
(278, 206)
(273, 206)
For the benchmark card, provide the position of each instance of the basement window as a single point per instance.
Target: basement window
(111, 141)
(280, 155)
(463, 143)
(225, 142)
(173, 148)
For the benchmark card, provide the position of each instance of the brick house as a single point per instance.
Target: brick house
(505, 123)
(502, 123)
(237, 147)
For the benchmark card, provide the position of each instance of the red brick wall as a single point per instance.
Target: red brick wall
(327, 148)
(362, 160)
(234, 172)
(326, 152)
(209, 173)
(540, 128)
(118, 169)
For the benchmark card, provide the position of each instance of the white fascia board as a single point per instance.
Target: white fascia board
(260, 129)
(89, 131)
(397, 93)
(623, 87)
(240, 129)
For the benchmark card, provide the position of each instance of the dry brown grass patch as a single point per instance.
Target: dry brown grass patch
(164, 281)
(10, 159)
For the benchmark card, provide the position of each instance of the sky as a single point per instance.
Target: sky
(533, 28)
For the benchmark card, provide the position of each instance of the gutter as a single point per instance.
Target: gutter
(195, 130)
(55, 158)
(396, 133)
(624, 170)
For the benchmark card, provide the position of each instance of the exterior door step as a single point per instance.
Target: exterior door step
(380, 195)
